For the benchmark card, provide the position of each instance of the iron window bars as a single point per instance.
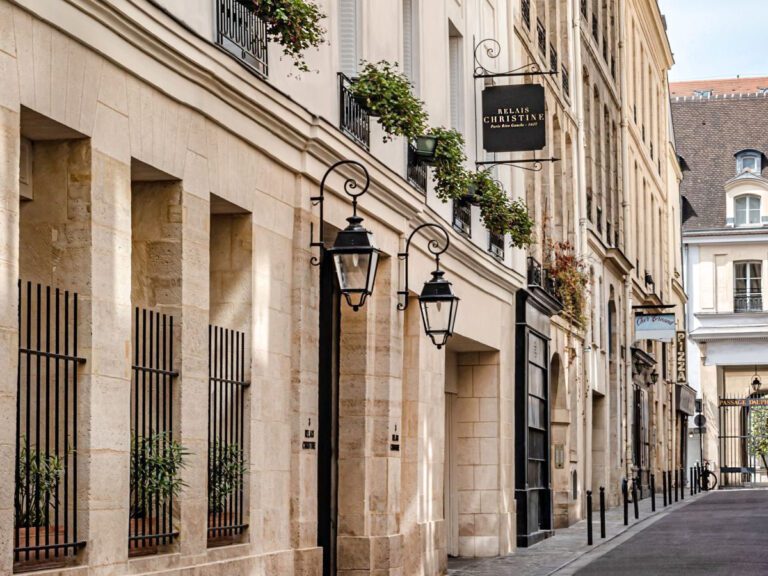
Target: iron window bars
(354, 119)
(462, 217)
(45, 494)
(151, 501)
(417, 172)
(241, 33)
(566, 81)
(525, 9)
(541, 35)
(496, 244)
(226, 434)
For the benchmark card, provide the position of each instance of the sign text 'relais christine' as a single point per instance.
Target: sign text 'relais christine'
(513, 118)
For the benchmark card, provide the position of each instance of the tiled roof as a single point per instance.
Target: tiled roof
(721, 87)
(708, 132)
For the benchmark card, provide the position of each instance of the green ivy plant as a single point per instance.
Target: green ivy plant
(499, 213)
(294, 24)
(156, 463)
(758, 433)
(571, 277)
(451, 178)
(36, 490)
(227, 467)
(388, 94)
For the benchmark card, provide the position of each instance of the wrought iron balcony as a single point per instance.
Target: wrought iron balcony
(241, 33)
(553, 60)
(747, 302)
(496, 244)
(537, 276)
(354, 119)
(541, 35)
(462, 217)
(417, 172)
(525, 10)
(566, 81)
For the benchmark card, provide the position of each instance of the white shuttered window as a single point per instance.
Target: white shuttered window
(349, 17)
(454, 62)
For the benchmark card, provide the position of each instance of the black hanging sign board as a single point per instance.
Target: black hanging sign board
(513, 118)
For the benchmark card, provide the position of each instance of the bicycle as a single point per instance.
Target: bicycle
(704, 479)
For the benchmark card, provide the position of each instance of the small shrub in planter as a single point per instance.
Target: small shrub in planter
(294, 24)
(388, 94)
(498, 212)
(36, 490)
(156, 463)
(227, 467)
(451, 178)
(571, 278)
(424, 148)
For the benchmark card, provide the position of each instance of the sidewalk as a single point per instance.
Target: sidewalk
(567, 545)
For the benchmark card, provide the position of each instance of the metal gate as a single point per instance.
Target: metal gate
(743, 440)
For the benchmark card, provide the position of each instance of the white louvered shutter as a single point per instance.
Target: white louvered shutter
(348, 37)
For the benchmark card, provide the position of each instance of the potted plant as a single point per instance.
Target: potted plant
(36, 486)
(571, 277)
(156, 463)
(388, 94)
(226, 469)
(424, 148)
(451, 178)
(294, 24)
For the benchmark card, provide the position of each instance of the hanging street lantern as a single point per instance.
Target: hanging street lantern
(354, 252)
(756, 382)
(654, 376)
(437, 301)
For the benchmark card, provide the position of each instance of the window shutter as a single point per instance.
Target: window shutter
(408, 39)
(348, 19)
(454, 53)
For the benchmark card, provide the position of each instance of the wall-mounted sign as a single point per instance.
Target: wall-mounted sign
(513, 118)
(660, 327)
(686, 400)
(682, 357)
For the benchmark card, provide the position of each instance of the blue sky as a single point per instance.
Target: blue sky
(716, 38)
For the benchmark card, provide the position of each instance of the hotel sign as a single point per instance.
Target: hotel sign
(659, 327)
(513, 118)
(682, 357)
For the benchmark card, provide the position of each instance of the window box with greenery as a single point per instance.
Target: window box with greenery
(571, 278)
(226, 469)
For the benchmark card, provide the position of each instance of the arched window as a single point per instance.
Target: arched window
(746, 210)
(749, 161)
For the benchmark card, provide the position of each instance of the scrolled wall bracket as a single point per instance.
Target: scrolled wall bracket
(434, 247)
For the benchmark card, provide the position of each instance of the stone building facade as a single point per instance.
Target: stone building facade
(724, 244)
(163, 169)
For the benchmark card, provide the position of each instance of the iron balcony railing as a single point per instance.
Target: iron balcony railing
(462, 217)
(747, 302)
(553, 59)
(584, 8)
(566, 81)
(537, 276)
(416, 172)
(525, 9)
(496, 244)
(354, 119)
(240, 32)
(541, 35)
(595, 29)
(46, 485)
(227, 447)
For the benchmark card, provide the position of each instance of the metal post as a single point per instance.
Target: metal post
(690, 476)
(664, 486)
(677, 483)
(682, 483)
(640, 485)
(653, 492)
(589, 517)
(625, 496)
(635, 502)
(602, 511)
(669, 486)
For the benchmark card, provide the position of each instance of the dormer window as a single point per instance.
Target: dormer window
(748, 161)
(747, 210)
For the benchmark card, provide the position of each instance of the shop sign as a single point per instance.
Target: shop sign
(682, 358)
(686, 400)
(743, 401)
(660, 327)
(513, 118)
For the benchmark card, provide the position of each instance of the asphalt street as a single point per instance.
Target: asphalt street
(722, 534)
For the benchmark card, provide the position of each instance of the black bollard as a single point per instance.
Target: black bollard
(682, 484)
(677, 483)
(653, 492)
(664, 487)
(698, 478)
(690, 479)
(602, 511)
(589, 517)
(634, 500)
(625, 496)
(669, 486)
(640, 486)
